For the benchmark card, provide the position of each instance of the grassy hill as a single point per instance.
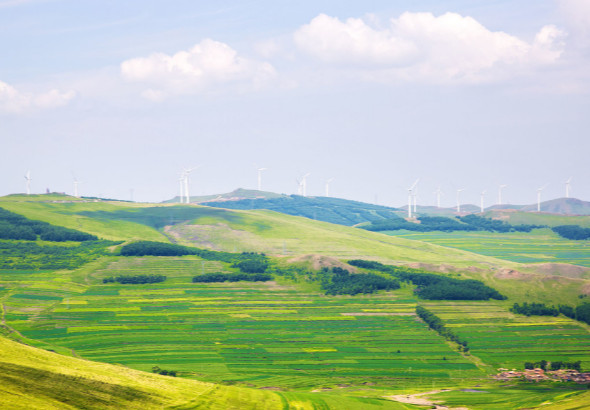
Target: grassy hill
(333, 210)
(277, 344)
(235, 195)
(565, 206)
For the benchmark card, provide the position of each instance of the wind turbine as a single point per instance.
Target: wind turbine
(567, 187)
(410, 197)
(328, 186)
(29, 179)
(303, 184)
(500, 188)
(438, 193)
(76, 182)
(459, 202)
(186, 173)
(181, 181)
(539, 190)
(260, 178)
(481, 201)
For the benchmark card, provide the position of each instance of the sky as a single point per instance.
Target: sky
(460, 94)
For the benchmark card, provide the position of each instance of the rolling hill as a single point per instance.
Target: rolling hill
(275, 344)
(333, 210)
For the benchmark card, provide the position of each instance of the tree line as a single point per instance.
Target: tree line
(342, 282)
(434, 287)
(232, 277)
(15, 226)
(247, 262)
(135, 279)
(445, 224)
(33, 256)
(555, 365)
(580, 313)
(436, 324)
(573, 232)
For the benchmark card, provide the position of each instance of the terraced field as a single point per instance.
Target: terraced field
(541, 245)
(503, 339)
(256, 334)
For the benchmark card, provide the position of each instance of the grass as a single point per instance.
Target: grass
(517, 396)
(540, 245)
(307, 349)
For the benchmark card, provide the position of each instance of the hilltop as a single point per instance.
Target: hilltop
(333, 210)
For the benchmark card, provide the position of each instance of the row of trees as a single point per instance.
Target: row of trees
(574, 232)
(434, 287)
(342, 282)
(33, 256)
(436, 324)
(246, 261)
(15, 226)
(135, 279)
(494, 225)
(232, 277)
(556, 365)
(535, 309)
(440, 223)
(580, 313)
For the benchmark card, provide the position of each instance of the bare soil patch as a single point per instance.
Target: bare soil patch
(561, 269)
(320, 261)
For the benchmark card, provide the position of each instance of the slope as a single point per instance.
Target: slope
(334, 210)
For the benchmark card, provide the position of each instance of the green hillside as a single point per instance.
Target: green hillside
(333, 210)
(283, 343)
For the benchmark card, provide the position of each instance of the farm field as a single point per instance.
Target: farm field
(280, 344)
(540, 245)
(503, 339)
(263, 335)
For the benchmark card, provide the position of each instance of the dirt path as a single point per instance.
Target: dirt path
(418, 400)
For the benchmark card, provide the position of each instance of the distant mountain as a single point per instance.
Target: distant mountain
(436, 211)
(565, 206)
(236, 195)
(334, 210)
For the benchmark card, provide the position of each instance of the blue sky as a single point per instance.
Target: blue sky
(375, 94)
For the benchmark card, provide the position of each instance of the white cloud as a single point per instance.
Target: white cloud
(207, 63)
(15, 101)
(577, 16)
(421, 46)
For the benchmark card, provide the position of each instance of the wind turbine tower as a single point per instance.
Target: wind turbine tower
(186, 174)
(481, 201)
(567, 187)
(410, 197)
(304, 184)
(28, 179)
(539, 190)
(438, 193)
(260, 178)
(181, 181)
(458, 201)
(76, 182)
(500, 188)
(328, 186)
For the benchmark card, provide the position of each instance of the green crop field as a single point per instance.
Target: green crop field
(264, 335)
(540, 245)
